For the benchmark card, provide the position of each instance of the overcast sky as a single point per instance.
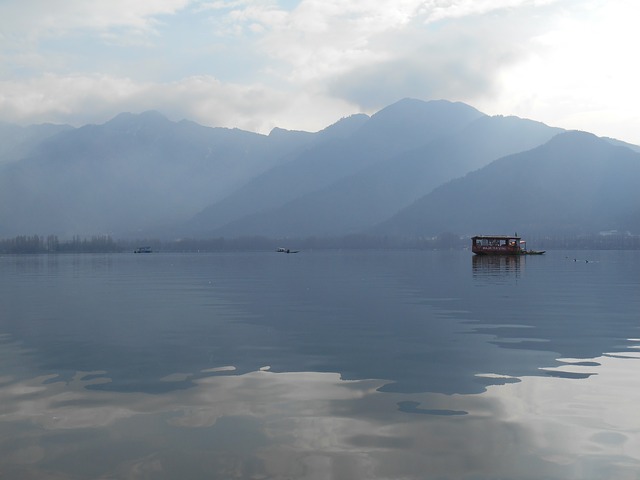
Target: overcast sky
(303, 64)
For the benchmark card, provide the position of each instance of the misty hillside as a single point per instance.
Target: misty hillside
(413, 168)
(575, 183)
(378, 191)
(131, 173)
(390, 133)
(16, 142)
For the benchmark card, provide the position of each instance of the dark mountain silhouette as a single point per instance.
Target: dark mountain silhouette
(379, 191)
(575, 183)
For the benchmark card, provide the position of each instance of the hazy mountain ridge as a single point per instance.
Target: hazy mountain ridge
(142, 174)
(371, 195)
(130, 174)
(16, 142)
(575, 183)
(391, 132)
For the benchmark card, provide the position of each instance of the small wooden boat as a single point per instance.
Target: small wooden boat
(501, 245)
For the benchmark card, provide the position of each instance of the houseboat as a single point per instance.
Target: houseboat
(501, 245)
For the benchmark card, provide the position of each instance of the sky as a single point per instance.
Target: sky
(304, 64)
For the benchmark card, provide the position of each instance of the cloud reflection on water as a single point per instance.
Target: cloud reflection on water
(316, 425)
(184, 391)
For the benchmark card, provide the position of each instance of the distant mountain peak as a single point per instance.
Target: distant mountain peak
(152, 115)
(128, 119)
(409, 102)
(284, 135)
(345, 126)
(277, 131)
(577, 141)
(573, 135)
(414, 122)
(419, 110)
(148, 114)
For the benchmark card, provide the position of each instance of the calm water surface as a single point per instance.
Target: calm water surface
(345, 365)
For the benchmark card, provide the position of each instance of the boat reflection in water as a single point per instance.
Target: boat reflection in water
(497, 265)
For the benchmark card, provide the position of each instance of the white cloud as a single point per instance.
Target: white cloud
(436, 10)
(569, 63)
(320, 39)
(581, 73)
(44, 36)
(74, 99)
(38, 18)
(237, 18)
(78, 100)
(373, 53)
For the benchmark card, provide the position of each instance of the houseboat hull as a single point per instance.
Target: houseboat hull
(522, 252)
(485, 251)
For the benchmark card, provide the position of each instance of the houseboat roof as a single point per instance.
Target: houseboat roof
(497, 237)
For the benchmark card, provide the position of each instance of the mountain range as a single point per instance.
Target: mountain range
(414, 168)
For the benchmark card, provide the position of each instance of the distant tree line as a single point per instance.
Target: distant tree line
(610, 241)
(444, 241)
(52, 244)
(260, 243)
(106, 244)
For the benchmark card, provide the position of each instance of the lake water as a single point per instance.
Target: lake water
(319, 365)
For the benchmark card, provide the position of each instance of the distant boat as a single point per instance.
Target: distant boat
(501, 245)
(286, 250)
(142, 250)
